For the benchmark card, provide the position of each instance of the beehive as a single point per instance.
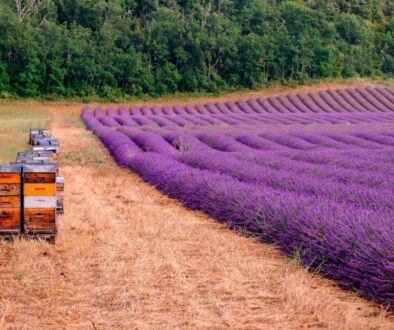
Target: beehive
(33, 132)
(38, 133)
(10, 199)
(40, 201)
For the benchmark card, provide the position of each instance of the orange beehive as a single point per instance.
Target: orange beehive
(40, 201)
(10, 199)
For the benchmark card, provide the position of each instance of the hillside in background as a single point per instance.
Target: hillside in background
(133, 48)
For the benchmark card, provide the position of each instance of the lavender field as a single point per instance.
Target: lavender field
(311, 173)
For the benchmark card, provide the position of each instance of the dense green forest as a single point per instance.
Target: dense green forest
(115, 48)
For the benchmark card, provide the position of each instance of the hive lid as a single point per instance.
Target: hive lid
(48, 153)
(45, 148)
(24, 159)
(43, 142)
(47, 141)
(26, 153)
(32, 153)
(24, 162)
(10, 168)
(37, 136)
(39, 167)
(39, 130)
(32, 161)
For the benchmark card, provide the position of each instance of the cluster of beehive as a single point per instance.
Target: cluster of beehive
(31, 190)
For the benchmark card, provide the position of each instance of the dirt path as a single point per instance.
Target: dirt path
(129, 257)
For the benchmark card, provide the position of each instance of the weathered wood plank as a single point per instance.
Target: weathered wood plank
(10, 189)
(39, 220)
(8, 202)
(40, 177)
(10, 220)
(6, 177)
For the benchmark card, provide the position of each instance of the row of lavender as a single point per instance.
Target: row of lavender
(358, 100)
(241, 119)
(325, 195)
(250, 138)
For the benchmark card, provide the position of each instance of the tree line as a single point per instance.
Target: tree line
(116, 48)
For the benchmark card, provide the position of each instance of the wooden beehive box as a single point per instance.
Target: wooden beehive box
(35, 156)
(40, 202)
(36, 138)
(29, 161)
(38, 133)
(43, 142)
(10, 199)
(54, 148)
(33, 132)
(24, 160)
(45, 132)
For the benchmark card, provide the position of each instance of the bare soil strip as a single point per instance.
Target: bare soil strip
(129, 257)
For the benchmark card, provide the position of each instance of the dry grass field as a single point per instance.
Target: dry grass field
(128, 257)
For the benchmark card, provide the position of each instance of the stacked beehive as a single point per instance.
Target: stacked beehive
(31, 191)
(10, 198)
(40, 202)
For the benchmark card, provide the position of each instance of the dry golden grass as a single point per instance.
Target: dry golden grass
(129, 257)
(15, 121)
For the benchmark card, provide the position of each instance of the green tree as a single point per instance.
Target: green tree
(156, 47)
